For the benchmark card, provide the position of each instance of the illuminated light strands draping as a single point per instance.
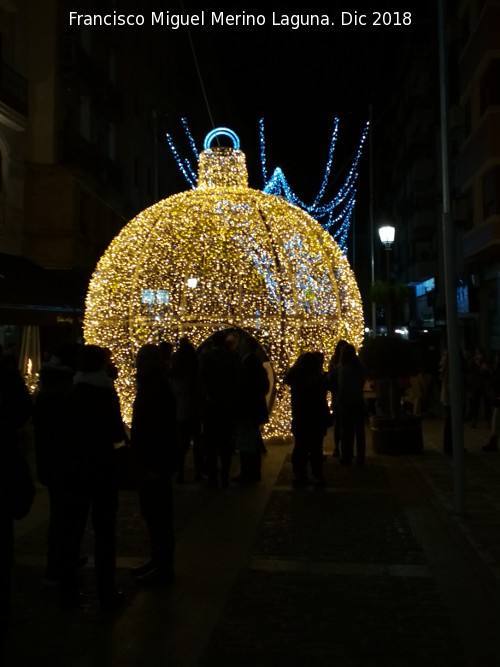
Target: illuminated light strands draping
(190, 138)
(334, 216)
(185, 169)
(329, 215)
(338, 209)
(253, 261)
(263, 161)
(328, 167)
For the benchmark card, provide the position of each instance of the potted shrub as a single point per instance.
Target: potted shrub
(386, 360)
(391, 296)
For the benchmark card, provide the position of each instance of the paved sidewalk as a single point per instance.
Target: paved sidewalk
(376, 569)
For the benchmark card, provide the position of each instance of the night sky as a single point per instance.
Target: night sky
(298, 80)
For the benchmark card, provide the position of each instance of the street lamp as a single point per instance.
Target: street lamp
(387, 234)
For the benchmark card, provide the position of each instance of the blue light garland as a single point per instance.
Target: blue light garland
(190, 138)
(181, 163)
(262, 149)
(334, 215)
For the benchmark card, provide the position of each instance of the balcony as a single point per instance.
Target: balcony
(81, 154)
(85, 75)
(422, 269)
(484, 38)
(482, 243)
(13, 89)
(481, 147)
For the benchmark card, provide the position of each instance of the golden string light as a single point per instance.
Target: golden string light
(223, 256)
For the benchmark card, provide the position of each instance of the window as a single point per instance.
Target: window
(491, 192)
(489, 87)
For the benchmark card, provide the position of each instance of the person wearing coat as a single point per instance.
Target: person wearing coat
(310, 417)
(186, 385)
(16, 485)
(92, 424)
(351, 406)
(219, 368)
(56, 380)
(251, 412)
(492, 444)
(153, 438)
(333, 385)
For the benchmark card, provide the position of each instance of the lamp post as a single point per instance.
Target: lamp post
(454, 355)
(387, 234)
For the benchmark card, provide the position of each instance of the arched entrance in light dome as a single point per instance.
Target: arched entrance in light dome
(261, 355)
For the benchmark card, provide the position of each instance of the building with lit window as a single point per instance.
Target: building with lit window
(478, 165)
(80, 109)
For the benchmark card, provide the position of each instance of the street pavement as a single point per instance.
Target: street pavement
(375, 569)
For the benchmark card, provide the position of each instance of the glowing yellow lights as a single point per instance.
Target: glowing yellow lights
(222, 256)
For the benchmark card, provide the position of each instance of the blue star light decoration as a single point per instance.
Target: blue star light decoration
(334, 215)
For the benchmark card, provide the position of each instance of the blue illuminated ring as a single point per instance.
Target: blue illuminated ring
(226, 132)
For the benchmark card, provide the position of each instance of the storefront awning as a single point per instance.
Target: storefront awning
(30, 294)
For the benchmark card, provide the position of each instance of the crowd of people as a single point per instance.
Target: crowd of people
(213, 400)
(480, 395)
(311, 415)
(17, 490)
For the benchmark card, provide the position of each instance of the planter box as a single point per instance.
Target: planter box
(396, 435)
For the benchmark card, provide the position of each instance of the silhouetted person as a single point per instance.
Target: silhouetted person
(492, 444)
(478, 375)
(333, 385)
(251, 411)
(93, 425)
(56, 379)
(444, 374)
(166, 350)
(186, 385)
(310, 416)
(110, 368)
(220, 368)
(153, 438)
(16, 486)
(351, 406)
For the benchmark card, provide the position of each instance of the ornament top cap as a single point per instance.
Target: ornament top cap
(222, 166)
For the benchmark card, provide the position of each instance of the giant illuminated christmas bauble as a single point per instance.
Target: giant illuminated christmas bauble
(223, 256)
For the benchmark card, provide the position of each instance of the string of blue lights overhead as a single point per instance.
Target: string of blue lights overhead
(334, 215)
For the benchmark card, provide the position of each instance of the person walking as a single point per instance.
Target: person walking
(153, 438)
(351, 406)
(56, 380)
(16, 485)
(186, 385)
(251, 411)
(478, 374)
(310, 417)
(220, 368)
(492, 444)
(333, 385)
(92, 425)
